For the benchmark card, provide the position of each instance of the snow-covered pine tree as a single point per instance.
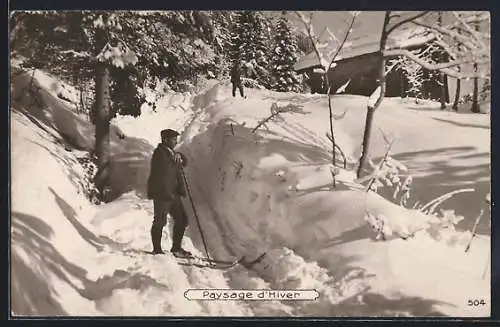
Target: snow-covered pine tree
(284, 57)
(223, 22)
(237, 33)
(250, 41)
(304, 43)
(262, 42)
(414, 74)
(120, 51)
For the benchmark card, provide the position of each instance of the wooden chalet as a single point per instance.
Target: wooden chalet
(357, 62)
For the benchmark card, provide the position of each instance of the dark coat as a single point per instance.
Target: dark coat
(236, 74)
(165, 178)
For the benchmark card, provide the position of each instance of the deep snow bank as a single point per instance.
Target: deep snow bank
(71, 258)
(444, 151)
(270, 191)
(51, 249)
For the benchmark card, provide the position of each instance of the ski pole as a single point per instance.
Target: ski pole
(195, 213)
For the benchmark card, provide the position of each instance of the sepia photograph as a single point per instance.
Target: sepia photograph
(250, 164)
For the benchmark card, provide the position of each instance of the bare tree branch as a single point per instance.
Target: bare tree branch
(349, 30)
(459, 37)
(470, 19)
(338, 148)
(404, 21)
(332, 36)
(309, 29)
(394, 16)
(346, 36)
(443, 67)
(474, 33)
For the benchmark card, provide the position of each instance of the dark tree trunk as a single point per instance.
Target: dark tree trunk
(366, 140)
(457, 95)
(446, 89)
(475, 104)
(442, 97)
(101, 120)
(443, 80)
(402, 90)
(371, 108)
(475, 95)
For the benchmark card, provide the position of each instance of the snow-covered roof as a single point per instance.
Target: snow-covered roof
(405, 38)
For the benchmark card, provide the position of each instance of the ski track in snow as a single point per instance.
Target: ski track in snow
(95, 264)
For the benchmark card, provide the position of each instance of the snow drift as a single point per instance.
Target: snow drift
(265, 191)
(271, 191)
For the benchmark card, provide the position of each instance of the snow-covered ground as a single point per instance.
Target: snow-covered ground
(265, 191)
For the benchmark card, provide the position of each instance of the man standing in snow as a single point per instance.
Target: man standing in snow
(236, 79)
(165, 188)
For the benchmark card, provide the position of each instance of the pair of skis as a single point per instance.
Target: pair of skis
(201, 262)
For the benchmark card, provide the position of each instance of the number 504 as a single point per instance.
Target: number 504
(476, 302)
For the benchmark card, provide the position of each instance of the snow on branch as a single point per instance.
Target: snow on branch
(466, 41)
(275, 113)
(471, 19)
(443, 67)
(462, 45)
(332, 36)
(391, 67)
(447, 48)
(380, 170)
(309, 30)
(119, 56)
(431, 206)
(474, 33)
(77, 54)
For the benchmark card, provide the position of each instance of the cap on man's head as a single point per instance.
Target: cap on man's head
(168, 133)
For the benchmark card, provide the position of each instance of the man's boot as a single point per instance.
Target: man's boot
(156, 234)
(178, 234)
